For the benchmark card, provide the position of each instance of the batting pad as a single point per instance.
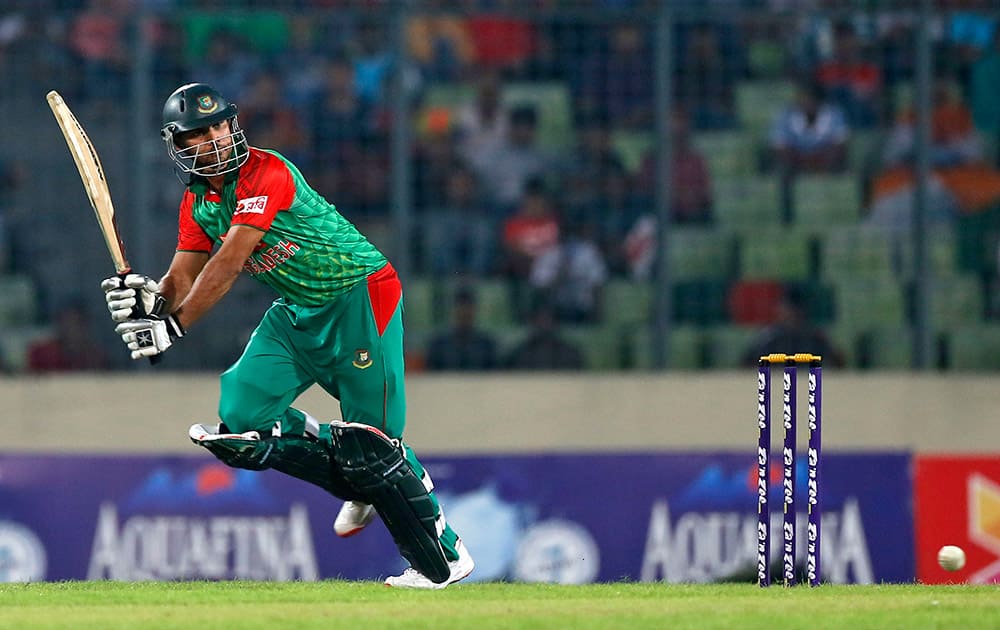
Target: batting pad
(374, 465)
(302, 457)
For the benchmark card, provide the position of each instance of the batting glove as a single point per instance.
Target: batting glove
(150, 336)
(133, 297)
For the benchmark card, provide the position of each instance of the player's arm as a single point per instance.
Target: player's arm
(184, 269)
(218, 274)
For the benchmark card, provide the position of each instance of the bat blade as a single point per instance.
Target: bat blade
(92, 173)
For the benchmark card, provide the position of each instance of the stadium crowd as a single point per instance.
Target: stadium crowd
(534, 172)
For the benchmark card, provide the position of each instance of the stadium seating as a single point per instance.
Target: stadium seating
(776, 254)
(759, 102)
(700, 253)
(18, 300)
(824, 201)
(493, 300)
(867, 303)
(726, 345)
(887, 348)
(727, 153)
(746, 202)
(974, 347)
(856, 252)
(627, 303)
(685, 348)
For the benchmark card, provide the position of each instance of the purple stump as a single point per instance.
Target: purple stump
(815, 448)
(763, 473)
(788, 474)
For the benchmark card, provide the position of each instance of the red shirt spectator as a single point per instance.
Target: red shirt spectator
(529, 232)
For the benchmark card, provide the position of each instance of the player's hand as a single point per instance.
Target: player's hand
(150, 336)
(133, 297)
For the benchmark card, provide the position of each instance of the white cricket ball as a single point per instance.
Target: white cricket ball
(951, 558)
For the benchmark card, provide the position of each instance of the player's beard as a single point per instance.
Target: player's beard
(216, 159)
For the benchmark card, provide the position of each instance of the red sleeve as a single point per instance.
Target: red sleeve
(262, 192)
(190, 236)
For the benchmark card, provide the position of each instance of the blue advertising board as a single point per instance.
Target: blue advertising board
(567, 518)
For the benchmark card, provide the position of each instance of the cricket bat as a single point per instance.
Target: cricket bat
(94, 182)
(92, 174)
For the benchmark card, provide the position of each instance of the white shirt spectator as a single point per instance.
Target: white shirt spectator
(572, 273)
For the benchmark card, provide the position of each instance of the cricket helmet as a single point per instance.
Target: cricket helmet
(197, 106)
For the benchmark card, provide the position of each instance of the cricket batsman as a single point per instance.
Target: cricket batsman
(337, 322)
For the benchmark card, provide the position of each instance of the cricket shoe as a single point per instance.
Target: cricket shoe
(460, 569)
(353, 517)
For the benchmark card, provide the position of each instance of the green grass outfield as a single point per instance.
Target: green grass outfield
(368, 605)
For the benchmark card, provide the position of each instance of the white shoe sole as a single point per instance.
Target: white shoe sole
(466, 571)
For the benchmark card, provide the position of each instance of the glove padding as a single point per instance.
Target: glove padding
(150, 336)
(133, 297)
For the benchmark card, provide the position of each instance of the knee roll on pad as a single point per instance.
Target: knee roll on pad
(374, 465)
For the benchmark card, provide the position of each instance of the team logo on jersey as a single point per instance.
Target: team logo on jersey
(362, 359)
(251, 205)
(206, 104)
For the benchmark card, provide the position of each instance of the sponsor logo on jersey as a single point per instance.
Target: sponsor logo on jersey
(207, 105)
(362, 359)
(251, 205)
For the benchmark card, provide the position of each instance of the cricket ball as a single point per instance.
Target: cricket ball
(951, 558)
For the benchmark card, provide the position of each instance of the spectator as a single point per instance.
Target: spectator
(617, 212)
(302, 64)
(266, 108)
(961, 179)
(460, 235)
(229, 64)
(571, 275)
(984, 95)
(482, 125)
(594, 158)
(71, 346)
(372, 63)
(440, 43)
(530, 232)
(166, 40)
(339, 122)
(12, 218)
(954, 140)
(527, 234)
(435, 158)
(690, 190)
(544, 348)
(793, 333)
(706, 79)
(810, 134)
(502, 40)
(620, 81)
(98, 39)
(968, 34)
(464, 346)
(506, 168)
(851, 81)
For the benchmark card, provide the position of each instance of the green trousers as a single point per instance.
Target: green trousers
(352, 347)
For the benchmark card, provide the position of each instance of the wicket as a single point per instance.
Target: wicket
(815, 402)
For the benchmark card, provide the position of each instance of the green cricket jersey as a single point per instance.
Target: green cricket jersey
(309, 252)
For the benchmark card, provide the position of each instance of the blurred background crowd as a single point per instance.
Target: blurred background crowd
(563, 184)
